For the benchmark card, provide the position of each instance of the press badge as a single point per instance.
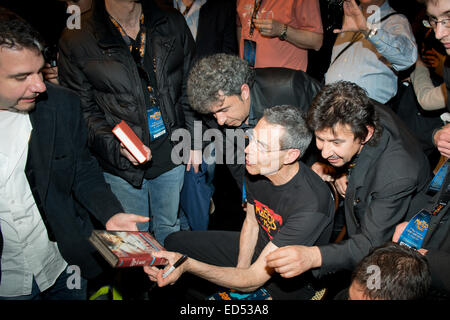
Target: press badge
(250, 52)
(436, 183)
(155, 123)
(416, 230)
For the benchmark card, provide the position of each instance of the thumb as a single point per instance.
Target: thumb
(138, 218)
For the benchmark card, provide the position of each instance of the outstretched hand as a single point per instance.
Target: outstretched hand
(354, 19)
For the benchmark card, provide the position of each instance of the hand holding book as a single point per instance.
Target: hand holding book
(124, 152)
(131, 147)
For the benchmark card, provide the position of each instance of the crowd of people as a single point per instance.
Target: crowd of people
(331, 172)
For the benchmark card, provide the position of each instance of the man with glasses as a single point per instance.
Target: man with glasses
(384, 172)
(439, 19)
(232, 95)
(130, 61)
(288, 204)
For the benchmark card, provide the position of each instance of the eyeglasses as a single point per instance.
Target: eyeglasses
(432, 23)
(259, 145)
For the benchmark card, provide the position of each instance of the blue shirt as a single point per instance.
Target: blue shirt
(370, 62)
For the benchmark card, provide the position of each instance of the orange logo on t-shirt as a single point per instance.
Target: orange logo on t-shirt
(268, 219)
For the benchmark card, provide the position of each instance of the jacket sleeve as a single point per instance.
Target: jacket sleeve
(189, 53)
(101, 140)
(89, 187)
(395, 42)
(387, 208)
(229, 44)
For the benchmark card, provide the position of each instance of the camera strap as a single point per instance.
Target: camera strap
(357, 37)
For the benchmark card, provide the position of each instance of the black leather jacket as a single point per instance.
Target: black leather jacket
(95, 62)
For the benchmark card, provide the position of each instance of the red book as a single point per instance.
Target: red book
(131, 141)
(127, 248)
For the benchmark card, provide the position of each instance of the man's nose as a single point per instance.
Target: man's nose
(326, 150)
(221, 118)
(37, 85)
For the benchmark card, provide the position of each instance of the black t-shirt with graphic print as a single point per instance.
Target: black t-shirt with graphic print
(299, 212)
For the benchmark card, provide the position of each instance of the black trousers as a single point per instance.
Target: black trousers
(221, 248)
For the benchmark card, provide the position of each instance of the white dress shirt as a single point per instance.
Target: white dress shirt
(27, 251)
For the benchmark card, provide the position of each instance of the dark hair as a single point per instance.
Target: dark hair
(218, 72)
(16, 33)
(296, 133)
(344, 103)
(404, 273)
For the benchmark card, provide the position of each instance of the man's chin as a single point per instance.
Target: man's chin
(336, 163)
(24, 106)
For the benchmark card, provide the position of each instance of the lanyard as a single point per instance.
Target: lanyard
(141, 38)
(138, 51)
(256, 8)
(444, 196)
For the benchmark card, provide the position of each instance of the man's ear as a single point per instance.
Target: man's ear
(245, 92)
(370, 131)
(291, 156)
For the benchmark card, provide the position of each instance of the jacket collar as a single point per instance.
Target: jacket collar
(43, 120)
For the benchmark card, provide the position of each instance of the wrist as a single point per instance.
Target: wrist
(283, 34)
(317, 261)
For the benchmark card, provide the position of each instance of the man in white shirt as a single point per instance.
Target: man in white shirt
(49, 183)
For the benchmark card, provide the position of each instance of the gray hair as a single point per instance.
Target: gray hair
(217, 72)
(296, 133)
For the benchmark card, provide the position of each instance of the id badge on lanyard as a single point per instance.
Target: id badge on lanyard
(156, 125)
(249, 53)
(416, 230)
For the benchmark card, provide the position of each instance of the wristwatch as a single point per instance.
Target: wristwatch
(283, 34)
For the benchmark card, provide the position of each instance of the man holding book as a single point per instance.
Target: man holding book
(50, 185)
(287, 204)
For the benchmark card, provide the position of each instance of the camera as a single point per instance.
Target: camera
(51, 55)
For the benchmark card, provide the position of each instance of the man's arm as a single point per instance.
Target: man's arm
(89, 187)
(387, 208)
(249, 237)
(298, 37)
(441, 139)
(395, 41)
(242, 279)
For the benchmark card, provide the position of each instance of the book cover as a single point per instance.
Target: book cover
(127, 248)
(130, 140)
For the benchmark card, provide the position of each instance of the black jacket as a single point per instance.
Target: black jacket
(383, 187)
(66, 181)
(216, 31)
(272, 87)
(95, 62)
(437, 242)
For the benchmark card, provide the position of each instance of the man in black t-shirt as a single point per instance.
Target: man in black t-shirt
(288, 204)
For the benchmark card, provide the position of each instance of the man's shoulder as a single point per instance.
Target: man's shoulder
(59, 98)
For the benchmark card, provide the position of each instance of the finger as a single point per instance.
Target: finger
(138, 218)
(196, 167)
(279, 263)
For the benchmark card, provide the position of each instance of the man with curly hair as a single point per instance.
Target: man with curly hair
(236, 95)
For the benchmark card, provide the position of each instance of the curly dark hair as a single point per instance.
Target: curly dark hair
(344, 103)
(404, 273)
(218, 72)
(16, 33)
